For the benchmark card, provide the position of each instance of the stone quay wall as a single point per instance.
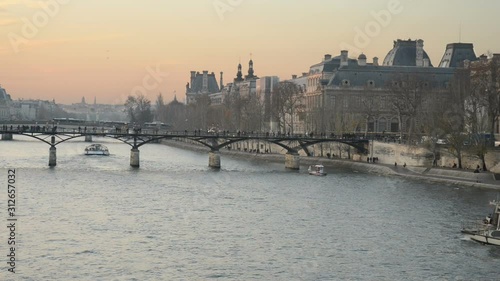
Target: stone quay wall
(384, 152)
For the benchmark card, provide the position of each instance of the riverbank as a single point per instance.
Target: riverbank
(438, 175)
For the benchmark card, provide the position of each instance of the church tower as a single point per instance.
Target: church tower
(239, 75)
(250, 69)
(251, 74)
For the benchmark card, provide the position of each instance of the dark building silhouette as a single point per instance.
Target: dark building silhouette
(201, 83)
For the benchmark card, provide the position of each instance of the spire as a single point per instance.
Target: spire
(250, 69)
(239, 75)
(221, 80)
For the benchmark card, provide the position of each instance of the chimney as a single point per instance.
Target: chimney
(294, 76)
(328, 57)
(304, 74)
(193, 75)
(420, 53)
(344, 60)
(221, 80)
(426, 63)
(205, 81)
(375, 61)
(483, 58)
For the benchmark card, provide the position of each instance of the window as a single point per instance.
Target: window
(382, 125)
(394, 125)
(345, 83)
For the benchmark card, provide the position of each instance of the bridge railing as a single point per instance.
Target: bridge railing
(162, 132)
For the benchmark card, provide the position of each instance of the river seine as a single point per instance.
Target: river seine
(174, 218)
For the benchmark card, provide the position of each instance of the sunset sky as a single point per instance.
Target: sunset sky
(104, 48)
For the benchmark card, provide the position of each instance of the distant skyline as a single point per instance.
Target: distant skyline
(69, 49)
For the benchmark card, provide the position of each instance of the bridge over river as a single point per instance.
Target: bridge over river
(54, 136)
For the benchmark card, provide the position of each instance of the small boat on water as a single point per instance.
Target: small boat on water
(317, 170)
(486, 231)
(97, 149)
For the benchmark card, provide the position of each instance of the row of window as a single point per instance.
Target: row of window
(371, 84)
(347, 83)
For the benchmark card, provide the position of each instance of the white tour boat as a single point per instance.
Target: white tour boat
(317, 170)
(488, 230)
(97, 149)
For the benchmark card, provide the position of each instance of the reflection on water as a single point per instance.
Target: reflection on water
(95, 218)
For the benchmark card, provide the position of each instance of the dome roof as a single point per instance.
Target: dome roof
(362, 57)
(404, 53)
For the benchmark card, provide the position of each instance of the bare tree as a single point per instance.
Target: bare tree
(409, 90)
(485, 80)
(139, 109)
(368, 106)
(477, 110)
(431, 122)
(451, 124)
(252, 113)
(232, 107)
(287, 100)
(161, 109)
(197, 113)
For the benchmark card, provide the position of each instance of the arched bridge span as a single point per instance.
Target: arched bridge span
(136, 139)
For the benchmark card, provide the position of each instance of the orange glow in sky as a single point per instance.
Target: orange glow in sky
(69, 49)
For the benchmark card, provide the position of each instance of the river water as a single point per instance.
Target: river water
(96, 218)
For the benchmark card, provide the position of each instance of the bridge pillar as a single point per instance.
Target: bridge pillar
(134, 157)
(52, 156)
(292, 161)
(7, 137)
(214, 159)
(88, 138)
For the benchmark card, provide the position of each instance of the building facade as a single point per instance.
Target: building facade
(264, 89)
(345, 95)
(200, 84)
(5, 105)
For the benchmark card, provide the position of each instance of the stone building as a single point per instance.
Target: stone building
(5, 102)
(264, 89)
(346, 95)
(201, 83)
(244, 87)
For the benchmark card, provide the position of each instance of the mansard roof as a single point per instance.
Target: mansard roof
(456, 53)
(329, 65)
(197, 84)
(404, 53)
(355, 75)
(4, 97)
